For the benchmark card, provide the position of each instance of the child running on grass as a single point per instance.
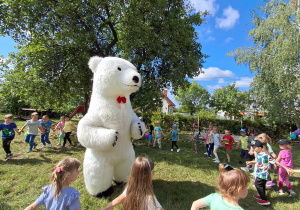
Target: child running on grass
(243, 143)
(232, 185)
(285, 158)
(68, 130)
(33, 129)
(207, 140)
(151, 133)
(46, 126)
(59, 195)
(175, 137)
(8, 129)
(228, 140)
(138, 193)
(61, 126)
(262, 164)
(265, 139)
(157, 135)
(217, 143)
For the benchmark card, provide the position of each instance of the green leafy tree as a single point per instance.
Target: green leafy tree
(230, 99)
(192, 99)
(56, 39)
(274, 58)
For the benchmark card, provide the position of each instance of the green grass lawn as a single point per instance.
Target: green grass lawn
(180, 178)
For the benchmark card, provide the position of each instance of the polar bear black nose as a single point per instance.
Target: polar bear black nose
(135, 79)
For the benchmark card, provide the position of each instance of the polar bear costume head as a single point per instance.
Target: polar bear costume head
(123, 76)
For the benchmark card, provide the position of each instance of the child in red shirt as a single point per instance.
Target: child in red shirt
(228, 140)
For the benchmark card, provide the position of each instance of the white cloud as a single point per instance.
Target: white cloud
(213, 72)
(213, 87)
(229, 39)
(206, 5)
(221, 81)
(244, 82)
(229, 18)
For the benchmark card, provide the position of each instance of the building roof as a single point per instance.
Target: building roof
(170, 103)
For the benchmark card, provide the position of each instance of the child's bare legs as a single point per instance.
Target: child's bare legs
(196, 147)
(228, 151)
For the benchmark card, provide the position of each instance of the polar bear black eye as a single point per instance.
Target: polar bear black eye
(119, 69)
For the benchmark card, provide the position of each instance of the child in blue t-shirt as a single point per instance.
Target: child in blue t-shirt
(175, 137)
(157, 135)
(8, 129)
(46, 126)
(59, 195)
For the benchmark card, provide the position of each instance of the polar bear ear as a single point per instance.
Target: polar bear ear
(93, 62)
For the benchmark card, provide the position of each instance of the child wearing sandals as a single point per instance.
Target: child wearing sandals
(59, 195)
(138, 193)
(232, 185)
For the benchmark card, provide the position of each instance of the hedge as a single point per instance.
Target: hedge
(186, 123)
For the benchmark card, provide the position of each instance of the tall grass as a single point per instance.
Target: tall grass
(180, 178)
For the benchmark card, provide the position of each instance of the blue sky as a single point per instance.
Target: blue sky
(226, 29)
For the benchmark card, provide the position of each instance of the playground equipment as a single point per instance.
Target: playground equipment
(80, 109)
(25, 113)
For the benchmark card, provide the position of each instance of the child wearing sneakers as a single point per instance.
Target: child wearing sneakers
(8, 129)
(195, 138)
(228, 140)
(243, 143)
(208, 139)
(175, 137)
(60, 125)
(46, 126)
(262, 164)
(33, 129)
(157, 135)
(285, 158)
(217, 143)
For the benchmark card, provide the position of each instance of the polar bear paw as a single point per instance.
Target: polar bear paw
(116, 139)
(137, 130)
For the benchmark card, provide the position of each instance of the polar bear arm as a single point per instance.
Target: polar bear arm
(137, 128)
(97, 138)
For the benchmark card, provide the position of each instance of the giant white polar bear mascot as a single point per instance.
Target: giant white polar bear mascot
(106, 129)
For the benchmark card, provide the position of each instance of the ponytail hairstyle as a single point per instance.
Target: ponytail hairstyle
(61, 172)
(216, 127)
(263, 138)
(230, 180)
(139, 186)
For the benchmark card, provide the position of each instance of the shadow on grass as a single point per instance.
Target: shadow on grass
(24, 158)
(5, 206)
(173, 195)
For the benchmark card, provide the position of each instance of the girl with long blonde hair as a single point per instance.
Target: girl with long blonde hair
(138, 194)
(59, 195)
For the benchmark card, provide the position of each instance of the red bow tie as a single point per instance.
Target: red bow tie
(121, 100)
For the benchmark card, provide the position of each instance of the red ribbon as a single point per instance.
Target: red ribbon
(121, 100)
(58, 169)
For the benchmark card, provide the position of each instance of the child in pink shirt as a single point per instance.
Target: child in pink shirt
(61, 126)
(285, 158)
(210, 128)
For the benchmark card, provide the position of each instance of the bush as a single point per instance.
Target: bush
(186, 123)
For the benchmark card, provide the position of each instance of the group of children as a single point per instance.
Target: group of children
(138, 194)
(9, 128)
(232, 183)
(156, 132)
(213, 142)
